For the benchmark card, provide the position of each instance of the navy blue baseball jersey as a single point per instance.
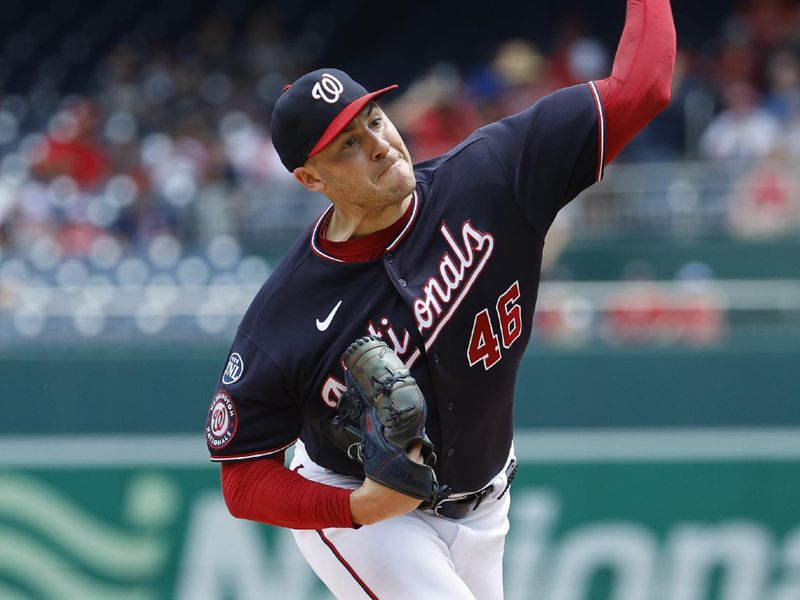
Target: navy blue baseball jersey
(454, 296)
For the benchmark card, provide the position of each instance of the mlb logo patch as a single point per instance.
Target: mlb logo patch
(234, 369)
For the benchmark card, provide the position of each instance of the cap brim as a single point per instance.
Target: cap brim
(347, 114)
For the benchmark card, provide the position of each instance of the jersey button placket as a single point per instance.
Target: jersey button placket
(403, 283)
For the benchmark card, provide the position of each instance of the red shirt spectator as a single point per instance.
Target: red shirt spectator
(72, 149)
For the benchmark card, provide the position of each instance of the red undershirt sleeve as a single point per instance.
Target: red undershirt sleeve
(640, 83)
(266, 491)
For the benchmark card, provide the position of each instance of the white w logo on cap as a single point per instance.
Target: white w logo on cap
(328, 89)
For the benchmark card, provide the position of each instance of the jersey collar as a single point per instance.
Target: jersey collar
(393, 243)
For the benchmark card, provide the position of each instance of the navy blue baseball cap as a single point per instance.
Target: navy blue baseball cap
(313, 110)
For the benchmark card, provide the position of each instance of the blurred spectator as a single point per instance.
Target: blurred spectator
(524, 73)
(783, 97)
(118, 81)
(737, 59)
(563, 318)
(72, 147)
(783, 78)
(637, 312)
(697, 315)
(264, 48)
(743, 130)
(643, 311)
(435, 114)
(517, 76)
(576, 56)
(769, 22)
(73, 161)
(765, 201)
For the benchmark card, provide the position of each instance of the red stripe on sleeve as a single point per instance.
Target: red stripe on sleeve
(266, 491)
(640, 83)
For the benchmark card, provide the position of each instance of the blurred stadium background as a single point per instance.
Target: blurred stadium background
(142, 205)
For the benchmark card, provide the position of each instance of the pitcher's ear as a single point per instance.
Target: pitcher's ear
(308, 178)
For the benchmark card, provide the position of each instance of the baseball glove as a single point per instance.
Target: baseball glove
(380, 417)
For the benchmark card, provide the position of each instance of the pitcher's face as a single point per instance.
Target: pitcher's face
(367, 164)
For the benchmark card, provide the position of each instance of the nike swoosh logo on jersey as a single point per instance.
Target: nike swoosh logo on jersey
(323, 325)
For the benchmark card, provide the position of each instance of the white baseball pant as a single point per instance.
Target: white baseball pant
(418, 555)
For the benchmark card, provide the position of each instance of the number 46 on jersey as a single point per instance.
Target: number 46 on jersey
(484, 343)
